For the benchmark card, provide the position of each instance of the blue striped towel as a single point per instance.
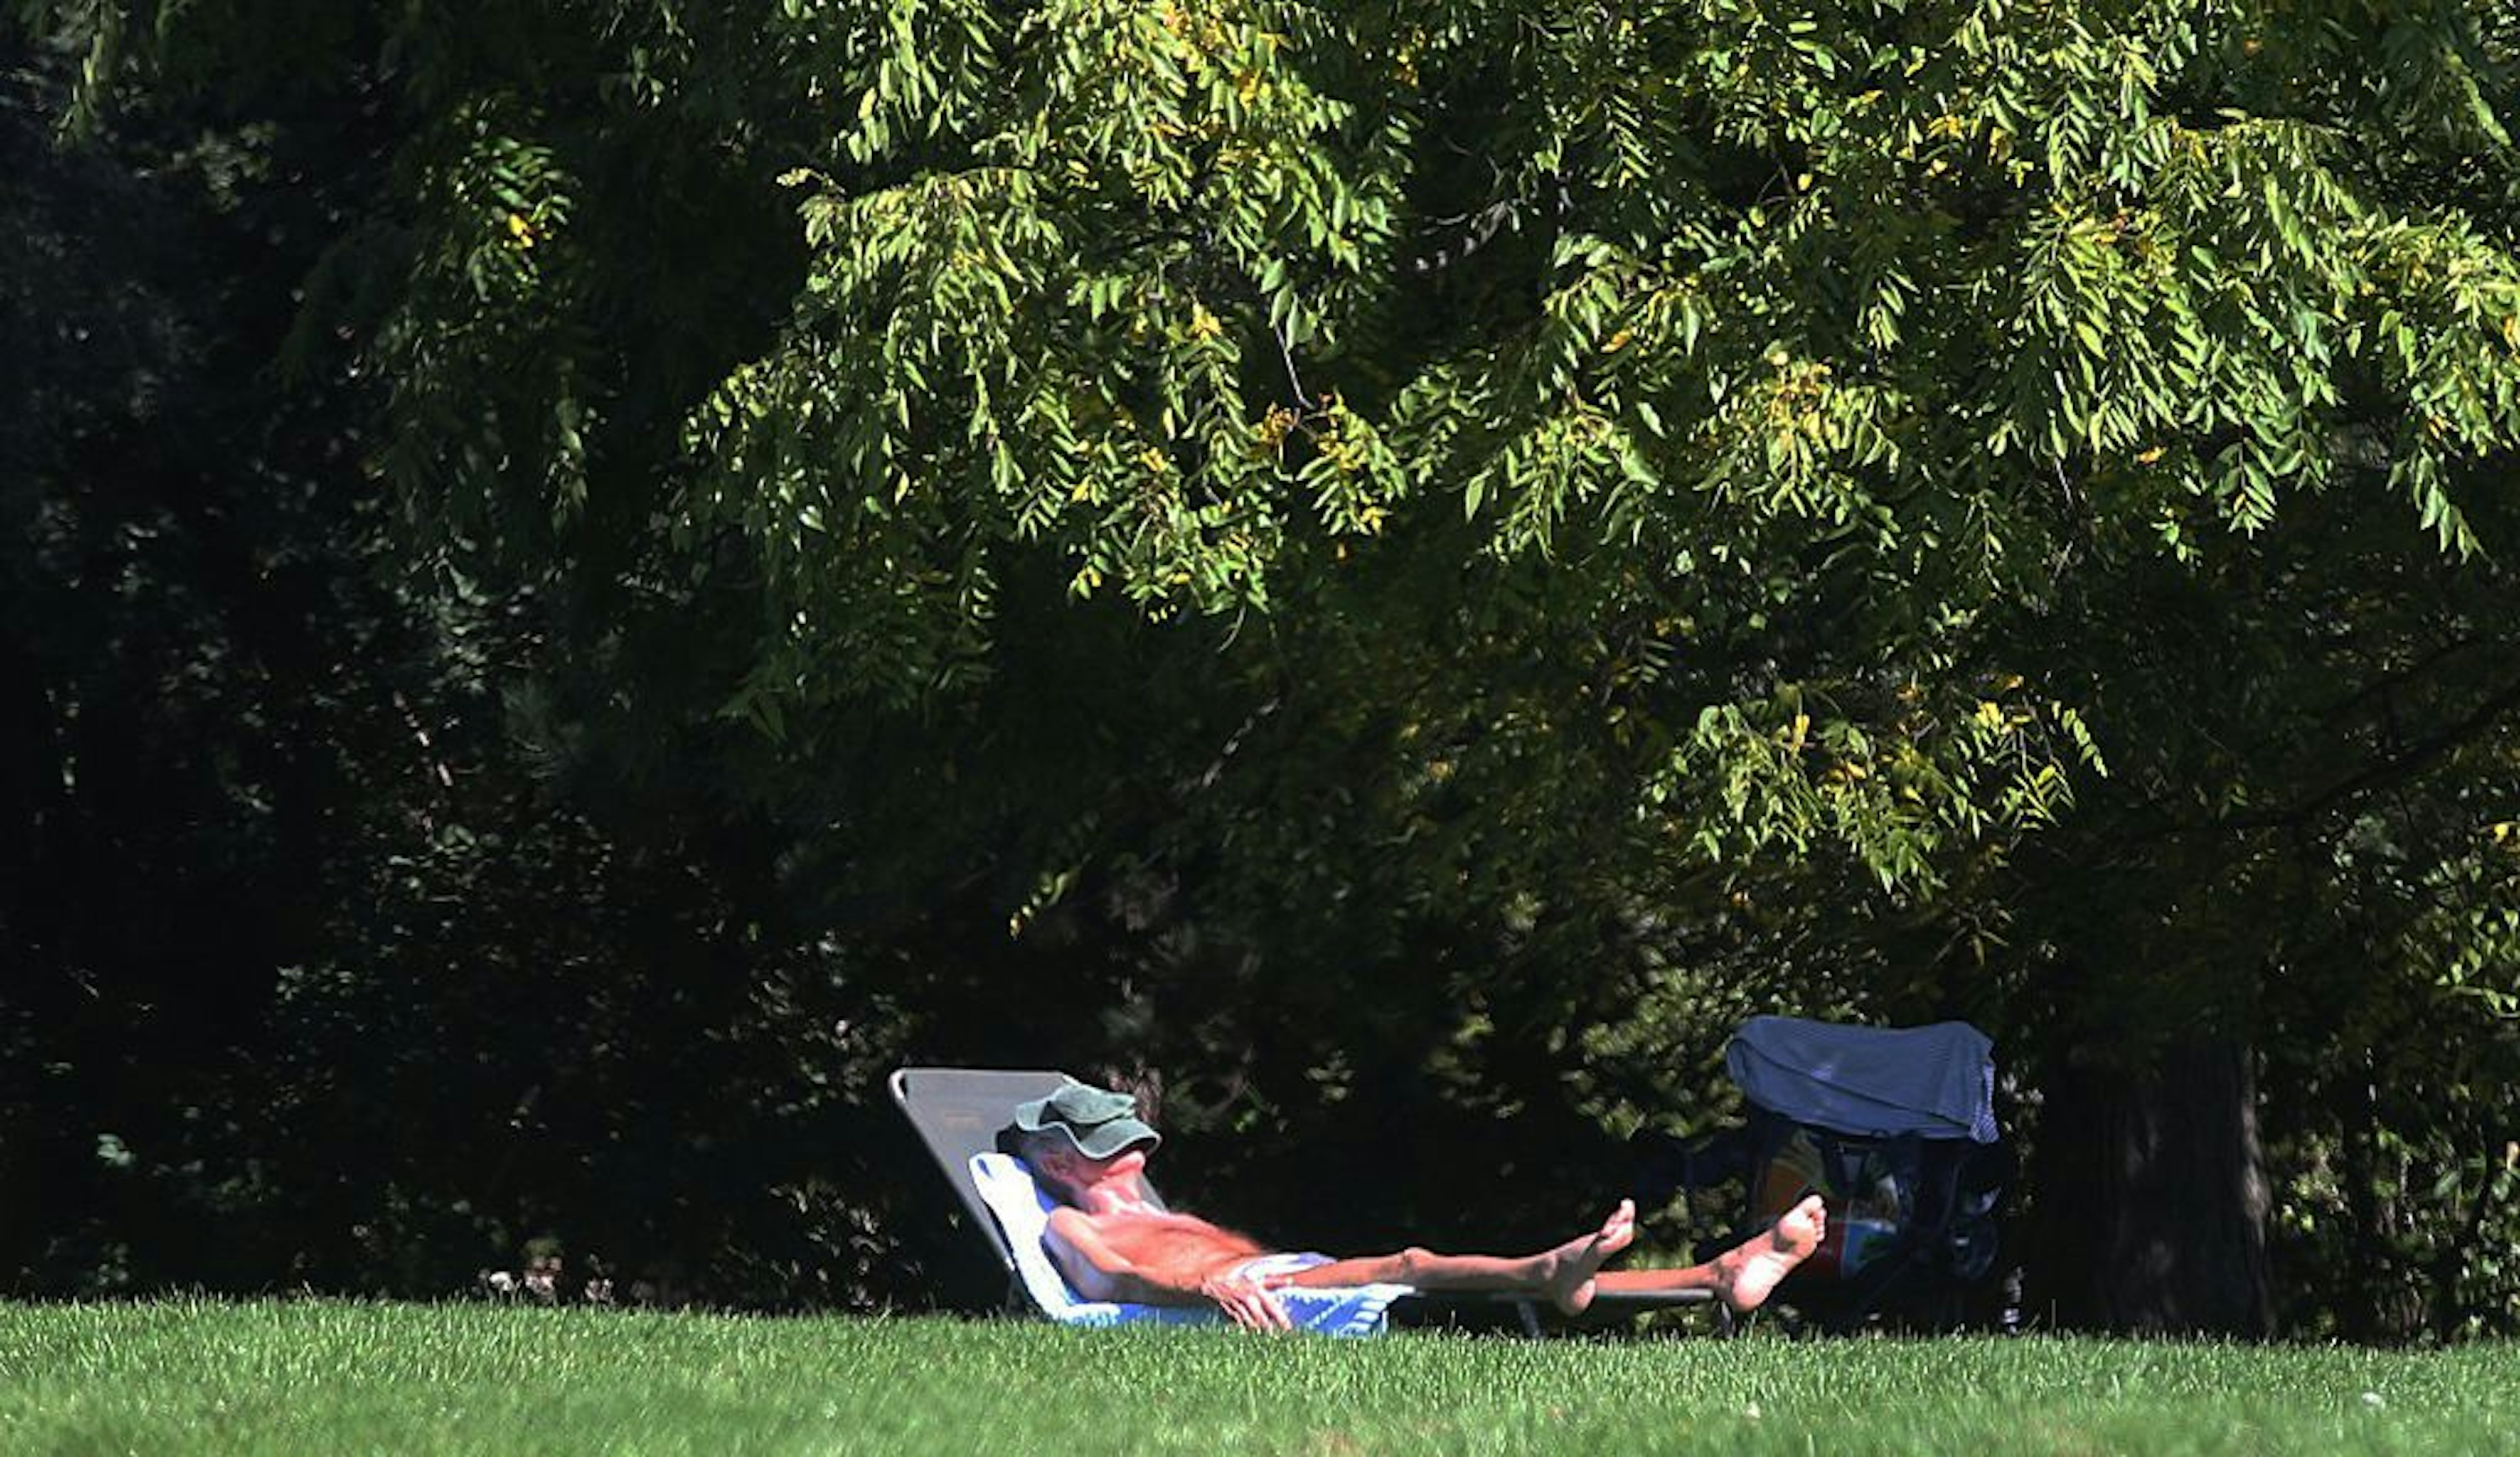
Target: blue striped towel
(1936, 1082)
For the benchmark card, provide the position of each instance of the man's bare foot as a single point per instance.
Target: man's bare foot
(1568, 1269)
(1744, 1276)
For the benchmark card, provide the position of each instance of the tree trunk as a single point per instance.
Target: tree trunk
(2152, 1196)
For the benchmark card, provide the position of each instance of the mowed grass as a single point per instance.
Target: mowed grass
(320, 1377)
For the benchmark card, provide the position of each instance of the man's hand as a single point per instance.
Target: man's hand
(1247, 1301)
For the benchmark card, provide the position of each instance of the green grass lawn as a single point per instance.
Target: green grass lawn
(319, 1376)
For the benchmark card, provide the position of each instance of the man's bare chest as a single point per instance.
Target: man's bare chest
(1166, 1239)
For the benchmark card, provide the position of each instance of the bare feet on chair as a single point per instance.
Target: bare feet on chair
(1744, 1276)
(1568, 1269)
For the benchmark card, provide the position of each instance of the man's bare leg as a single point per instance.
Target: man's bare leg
(1563, 1275)
(1744, 1276)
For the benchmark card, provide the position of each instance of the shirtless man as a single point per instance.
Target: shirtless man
(1089, 1148)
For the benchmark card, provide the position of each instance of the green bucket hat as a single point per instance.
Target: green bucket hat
(1099, 1121)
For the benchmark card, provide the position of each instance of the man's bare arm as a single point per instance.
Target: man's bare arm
(1095, 1269)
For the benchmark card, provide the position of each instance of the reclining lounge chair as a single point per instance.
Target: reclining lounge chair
(1896, 1128)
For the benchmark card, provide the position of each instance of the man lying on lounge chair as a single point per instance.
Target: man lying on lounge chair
(1088, 1148)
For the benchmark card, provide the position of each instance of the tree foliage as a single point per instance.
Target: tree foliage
(1428, 557)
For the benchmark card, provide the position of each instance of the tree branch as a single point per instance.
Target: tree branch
(2386, 772)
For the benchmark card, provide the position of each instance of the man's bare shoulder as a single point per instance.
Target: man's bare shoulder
(1069, 1220)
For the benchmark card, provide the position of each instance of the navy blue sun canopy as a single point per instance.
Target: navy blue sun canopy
(1934, 1081)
